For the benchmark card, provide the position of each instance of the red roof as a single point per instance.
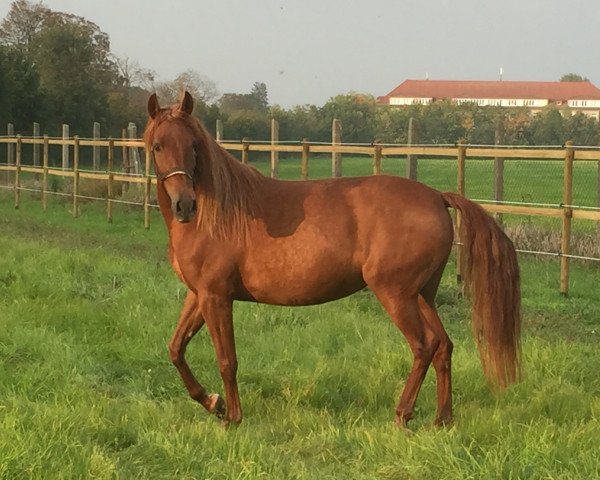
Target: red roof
(449, 89)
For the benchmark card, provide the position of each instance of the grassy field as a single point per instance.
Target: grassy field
(529, 181)
(87, 391)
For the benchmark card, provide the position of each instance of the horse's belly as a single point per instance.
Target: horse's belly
(303, 283)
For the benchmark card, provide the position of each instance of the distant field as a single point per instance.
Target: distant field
(87, 391)
(529, 181)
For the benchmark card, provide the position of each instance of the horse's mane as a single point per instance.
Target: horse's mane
(225, 188)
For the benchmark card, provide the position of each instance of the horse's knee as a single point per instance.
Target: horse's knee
(443, 354)
(228, 368)
(446, 347)
(175, 354)
(423, 351)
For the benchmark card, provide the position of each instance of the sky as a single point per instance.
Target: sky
(307, 51)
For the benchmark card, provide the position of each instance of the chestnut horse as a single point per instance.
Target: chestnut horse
(237, 235)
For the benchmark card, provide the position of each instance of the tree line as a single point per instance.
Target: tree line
(58, 68)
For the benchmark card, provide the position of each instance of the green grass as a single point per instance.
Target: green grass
(528, 181)
(87, 391)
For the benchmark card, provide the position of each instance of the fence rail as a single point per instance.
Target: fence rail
(459, 152)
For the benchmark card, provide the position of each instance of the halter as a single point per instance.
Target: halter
(171, 173)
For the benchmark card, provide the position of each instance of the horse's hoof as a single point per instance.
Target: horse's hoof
(443, 422)
(217, 405)
(402, 420)
(227, 423)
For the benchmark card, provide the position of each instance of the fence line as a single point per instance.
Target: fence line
(460, 152)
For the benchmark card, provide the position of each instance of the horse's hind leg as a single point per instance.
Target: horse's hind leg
(441, 360)
(190, 321)
(422, 340)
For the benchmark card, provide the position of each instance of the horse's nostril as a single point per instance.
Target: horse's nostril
(178, 206)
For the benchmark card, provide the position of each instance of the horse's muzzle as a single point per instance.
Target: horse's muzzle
(184, 209)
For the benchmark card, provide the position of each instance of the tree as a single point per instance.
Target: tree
(202, 88)
(581, 129)
(74, 72)
(21, 100)
(259, 96)
(61, 61)
(573, 77)
(255, 101)
(23, 21)
(442, 122)
(516, 126)
(247, 123)
(547, 127)
(131, 74)
(356, 112)
(485, 121)
(300, 122)
(233, 102)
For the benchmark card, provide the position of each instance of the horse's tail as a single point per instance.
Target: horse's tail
(491, 277)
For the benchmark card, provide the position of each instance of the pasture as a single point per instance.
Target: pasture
(87, 390)
(528, 181)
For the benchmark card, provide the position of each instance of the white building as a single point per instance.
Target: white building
(578, 96)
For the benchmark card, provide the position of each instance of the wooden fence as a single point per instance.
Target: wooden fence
(376, 151)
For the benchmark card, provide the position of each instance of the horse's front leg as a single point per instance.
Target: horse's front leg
(217, 311)
(190, 321)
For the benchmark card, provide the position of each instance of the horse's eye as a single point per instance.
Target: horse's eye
(156, 147)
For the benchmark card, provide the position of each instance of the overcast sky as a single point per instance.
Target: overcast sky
(307, 51)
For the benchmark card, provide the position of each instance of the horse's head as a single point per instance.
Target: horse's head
(172, 142)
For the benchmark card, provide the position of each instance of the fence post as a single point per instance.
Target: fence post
(377, 158)
(219, 130)
(45, 174)
(134, 154)
(245, 150)
(499, 167)
(565, 241)
(462, 154)
(109, 186)
(10, 148)
(598, 191)
(274, 153)
(336, 157)
(460, 186)
(65, 147)
(76, 177)
(305, 155)
(36, 146)
(18, 171)
(96, 148)
(147, 185)
(411, 160)
(10, 152)
(126, 163)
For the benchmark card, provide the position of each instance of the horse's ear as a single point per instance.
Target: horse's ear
(187, 103)
(153, 106)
